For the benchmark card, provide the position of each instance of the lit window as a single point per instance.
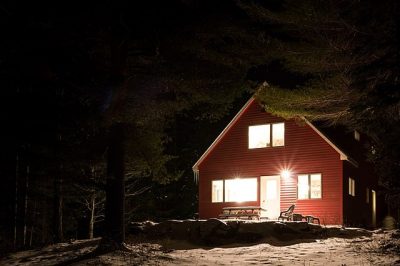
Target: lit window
(217, 191)
(262, 136)
(315, 188)
(259, 136)
(241, 189)
(367, 195)
(352, 187)
(302, 187)
(356, 135)
(309, 186)
(278, 134)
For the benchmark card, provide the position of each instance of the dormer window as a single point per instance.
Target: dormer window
(356, 135)
(267, 135)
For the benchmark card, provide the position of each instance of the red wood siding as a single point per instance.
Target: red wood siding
(356, 210)
(305, 152)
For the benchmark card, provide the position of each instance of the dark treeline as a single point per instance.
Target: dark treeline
(96, 94)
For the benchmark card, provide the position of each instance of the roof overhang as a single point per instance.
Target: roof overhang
(222, 134)
(343, 156)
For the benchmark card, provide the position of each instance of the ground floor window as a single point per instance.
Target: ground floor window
(309, 186)
(234, 190)
(240, 189)
(217, 193)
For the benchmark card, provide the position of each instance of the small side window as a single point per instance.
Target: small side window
(352, 187)
(356, 135)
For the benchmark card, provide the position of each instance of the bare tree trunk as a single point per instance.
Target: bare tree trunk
(58, 210)
(92, 212)
(16, 200)
(26, 203)
(60, 214)
(32, 224)
(114, 226)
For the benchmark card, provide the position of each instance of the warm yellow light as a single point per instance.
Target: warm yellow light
(259, 136)
(286, 173)
(241, 189)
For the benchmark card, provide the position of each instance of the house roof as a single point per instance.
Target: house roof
(223, 133)
(343, 155)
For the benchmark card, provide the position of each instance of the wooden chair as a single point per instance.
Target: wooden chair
(288, 214)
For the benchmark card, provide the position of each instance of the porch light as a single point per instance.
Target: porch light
(286, 173)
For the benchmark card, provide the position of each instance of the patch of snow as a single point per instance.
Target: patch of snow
(376, 248)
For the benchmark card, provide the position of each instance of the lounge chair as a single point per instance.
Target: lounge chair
(288, 214)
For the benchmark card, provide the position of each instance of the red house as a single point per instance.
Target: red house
(267, 161)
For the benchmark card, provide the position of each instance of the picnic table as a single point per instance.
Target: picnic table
(242, 212)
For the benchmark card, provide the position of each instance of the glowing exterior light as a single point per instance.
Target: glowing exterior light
(286, 173)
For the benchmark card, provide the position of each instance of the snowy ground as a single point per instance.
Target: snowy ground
(378, 249)
(333, 251)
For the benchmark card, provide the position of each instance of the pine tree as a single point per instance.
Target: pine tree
(343, 57)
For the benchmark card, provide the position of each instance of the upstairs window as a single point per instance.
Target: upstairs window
(259, 136)
(267, 135)
(278, 134)
(352, 187)
(309, 186)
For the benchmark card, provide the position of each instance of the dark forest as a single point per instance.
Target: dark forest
(107, 106)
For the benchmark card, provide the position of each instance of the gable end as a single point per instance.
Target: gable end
(195, 167)
(221, 135)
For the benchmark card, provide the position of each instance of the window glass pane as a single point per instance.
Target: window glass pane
(259, 136)
(241, 189)
(278, 134)
(356, 135)
(217, 190)
(350, 185)
(302, 185)
(316, 186)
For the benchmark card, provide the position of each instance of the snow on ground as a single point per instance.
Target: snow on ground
(333, 251)
(378, 249)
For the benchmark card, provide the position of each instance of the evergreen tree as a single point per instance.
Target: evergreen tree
(343, 58)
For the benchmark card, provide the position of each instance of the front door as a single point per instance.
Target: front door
(270, 196)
